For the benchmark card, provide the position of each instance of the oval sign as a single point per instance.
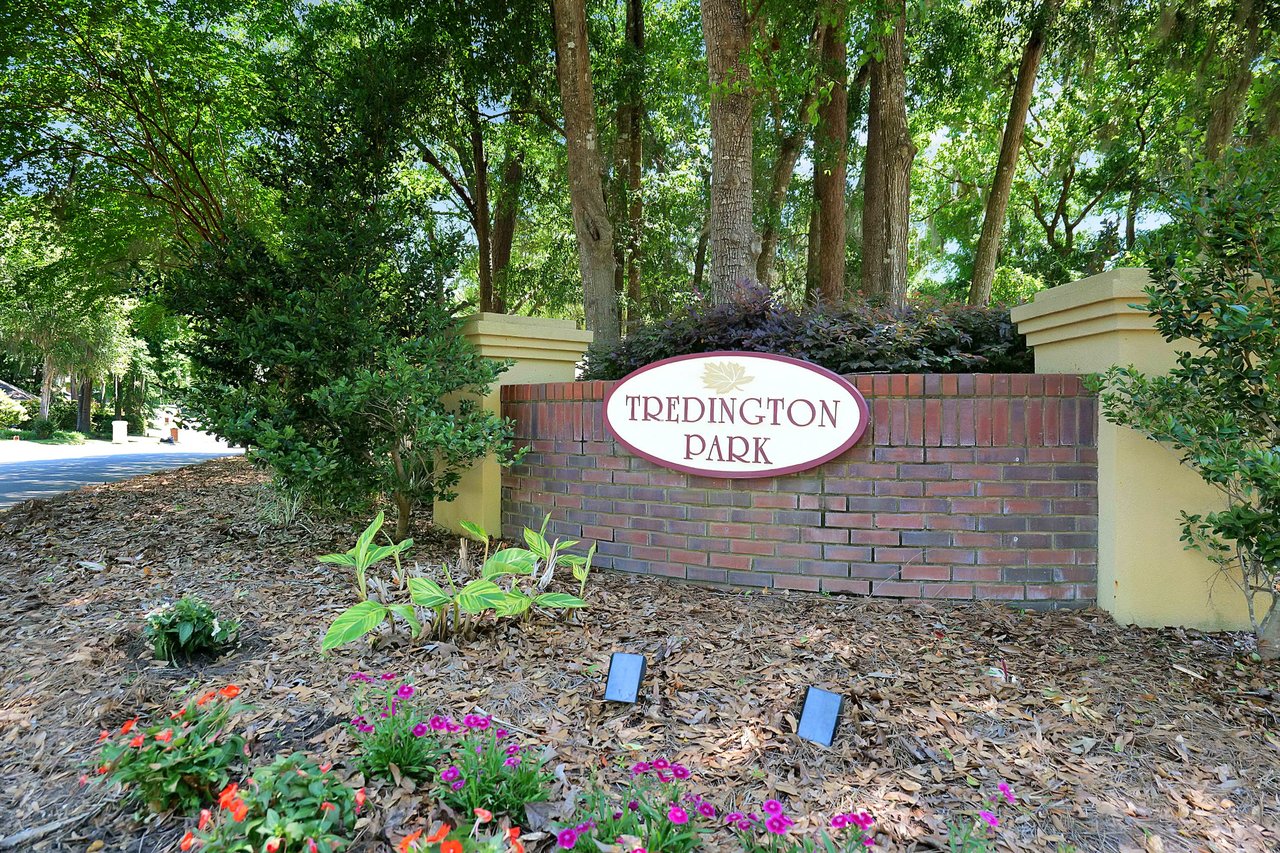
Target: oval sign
(735, 414)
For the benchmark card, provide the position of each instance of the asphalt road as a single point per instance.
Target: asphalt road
(23, 480)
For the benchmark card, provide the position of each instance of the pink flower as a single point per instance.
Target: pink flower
(733, 817)
(1008, 793)
(500, 734)
(991, 819)
(420, 729)
(513, 749)
(567, 838)
(677, 815)
(450, 773)
(664, 778)
(744, 824)
(661, 764)
(389, 676)
(706, 810)
(680, 771)
(776, 824)
(457, 786)
(772, 807)
(862, 819)
(513, 761)
(405, 691)
(640, 767)
(839, 822)
(360, 676)
(438, 723)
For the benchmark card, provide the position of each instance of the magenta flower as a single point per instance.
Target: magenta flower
(567, 838)
(706, 810)
(633, 806)
(1008, 793)
(663, 777)
(744, 824)
(677, 815)
(869, 842)
(839, 822)
(405, 691)
(772, 807)
(358, 721)
(680, 771)
(450, 773)
(452, 727)
(389, 676)
(513, 749)
(360, 676)
(365, 729)
(500, 734)
(437, 723)
(661, 764)
(639, 767)
(420, 729)
(513, 761)
(733, 817)
(862, 819)
(991, 819)
(776, 825)
(457, 786)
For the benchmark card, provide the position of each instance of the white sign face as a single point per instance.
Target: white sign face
(735, 414)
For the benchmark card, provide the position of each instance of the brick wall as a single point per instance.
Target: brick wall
(964, 486)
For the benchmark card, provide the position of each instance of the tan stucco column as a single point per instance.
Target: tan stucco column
(543, 351)
(1145, 575)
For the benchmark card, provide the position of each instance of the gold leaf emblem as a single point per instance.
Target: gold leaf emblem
(725, 376)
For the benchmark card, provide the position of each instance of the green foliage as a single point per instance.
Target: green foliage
(288, 803)
(640, 811)
(180, 762)
(365, 554)
(1214, 296)
(11, 411)
(43, 428)
(390, 732)
(491, 772)
(188, 629)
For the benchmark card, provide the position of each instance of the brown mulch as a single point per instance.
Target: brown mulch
(1114, 738)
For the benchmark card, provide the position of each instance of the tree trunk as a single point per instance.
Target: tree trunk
(734, 243)
(46, 387)
(504, 227)
(814, 250)
(586, 189)
(404, 509)
(988, 250)
(116, 397)
(890, 151)
(831, 157)
(784, 169)
(700, 261)
(84, 417)
(480, 194)
(630, 160)
(1131, 220)
(1224, 106)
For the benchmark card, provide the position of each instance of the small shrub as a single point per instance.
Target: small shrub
(771, 832)
(43, 428)
(289, 805)
(977, 834)
(488, 769)
(652, 811)
(492, 839)
(390, 731)
(188, 629)
(920, 338)
(180, 762)
(11, 411)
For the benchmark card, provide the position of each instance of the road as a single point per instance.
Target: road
(29, 470)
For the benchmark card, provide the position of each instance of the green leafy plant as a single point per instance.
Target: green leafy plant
(367, 614)
(652, 810)
(488, 769)
(392, 735)
(187, 629)
(458, 609)
(180, 762)
(11, 411)
(289, 805)
(1219, 406)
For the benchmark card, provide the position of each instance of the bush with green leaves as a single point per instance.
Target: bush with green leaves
(11, 411)
(512, 582)
(1213, 294)
(188, 629)
(488, 768)
(290, 804)
(177, 763)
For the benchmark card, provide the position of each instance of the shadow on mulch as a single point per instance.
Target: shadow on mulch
(1110, 735)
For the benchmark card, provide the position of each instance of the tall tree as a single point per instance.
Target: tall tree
(734, 242)
(586, 188)
(831, 151)
(1239, 50)
(890, 152)
(984, 264)
(629, 157)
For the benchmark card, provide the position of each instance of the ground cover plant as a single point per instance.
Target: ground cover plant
(1108, 735)
(186, 629)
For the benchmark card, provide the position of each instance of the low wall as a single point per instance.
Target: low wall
(964, 486)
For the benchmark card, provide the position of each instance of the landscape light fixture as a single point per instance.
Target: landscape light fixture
(820, 716)
(626, 671)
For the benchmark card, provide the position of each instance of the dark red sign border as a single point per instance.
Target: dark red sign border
(864, 416)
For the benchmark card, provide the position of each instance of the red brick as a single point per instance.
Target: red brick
(991, 557)
(898, 384)
(803, 550)
(847, 553)
(874, 537)
(975, 573)
(1050, 557)
(733, 531)
(926, 573)
(1030, 506)
(1002, 592)
(902, 521)
(909, 488)
(823, 534)
(775, 501)
(798, 582)
(915, 422)
(689, 558)
(948, 488)
(950, 522)
(697, 573)
(846, 585)
(1050, 592)
(896, 589)
(848, 519)
(915, 385)
(899, 555)
(947, 590)
(751, 546)
(731, 561)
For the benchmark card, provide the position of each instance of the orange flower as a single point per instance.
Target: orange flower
(517, 846)
(513, 833)
(326, 767)
(138, 740)
(239, 809)
(484, 815)
(273, 845)
(451, 846)
(128, 726)
(178, 713)
(406, 843)
(360, 798)
(229, 692)
(327, 807)
(103, 769)
(165, 736)
(103, 735)
(187, 841)
(228, 794)
(439, 834)
(205, 817)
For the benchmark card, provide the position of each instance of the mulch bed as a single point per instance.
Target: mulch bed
(1114, 738)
